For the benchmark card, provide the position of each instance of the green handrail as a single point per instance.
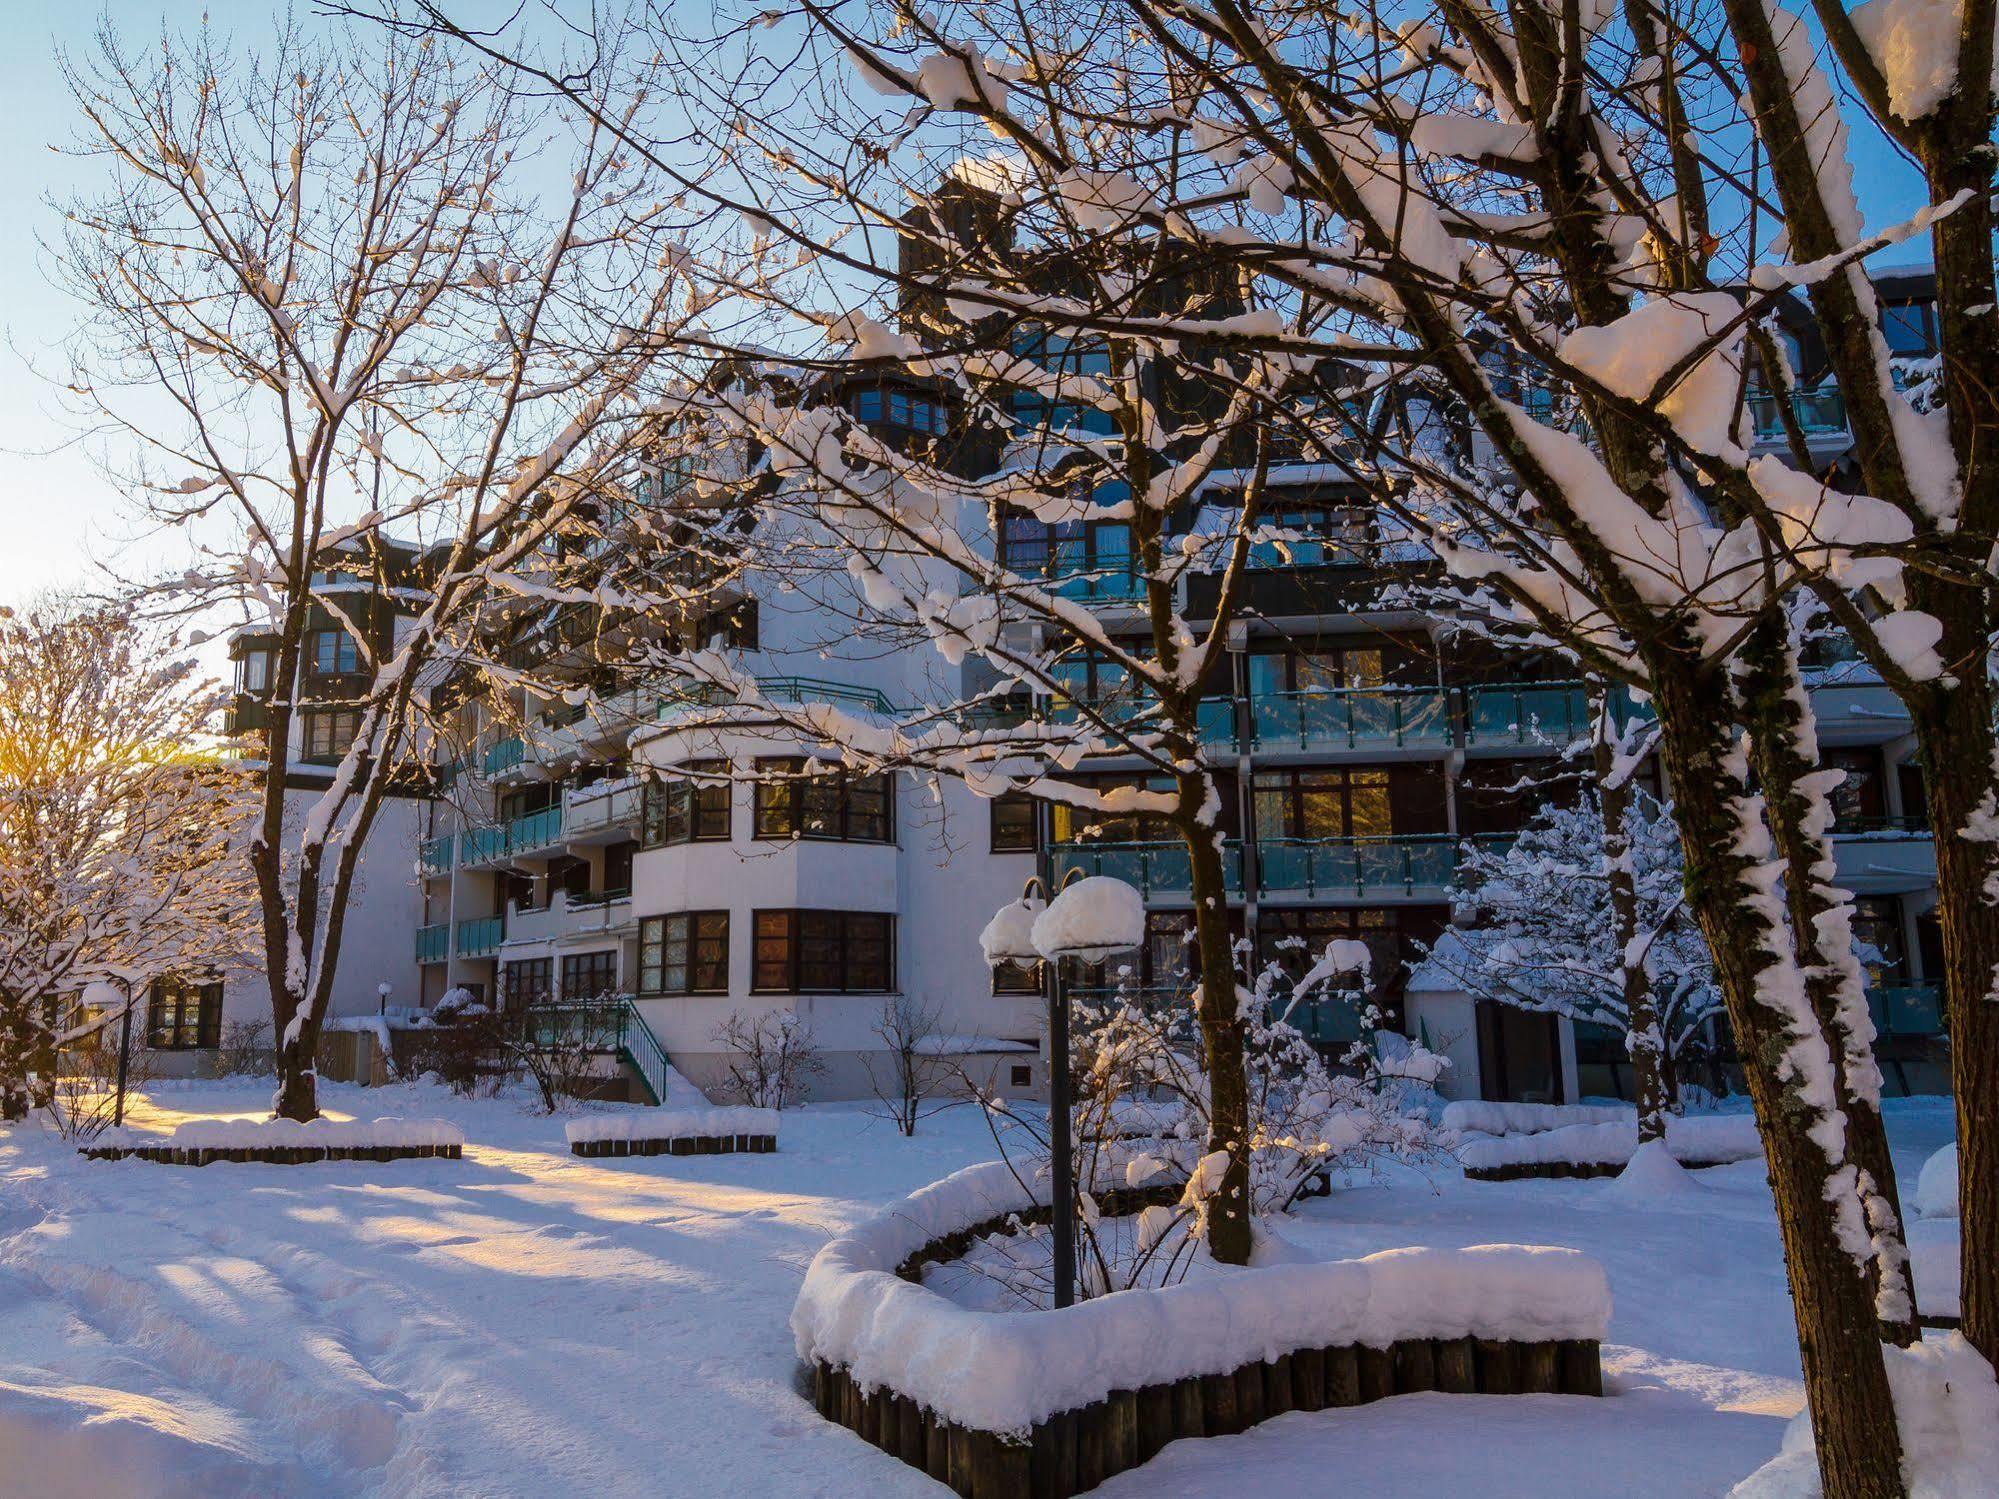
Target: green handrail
(480, 936)
(434, 854)
(482, 845)
(1362, 865)
(503, 754)
(433, 943)
(1150, 867)
(536, 830)
(1352, 715)
(1906, 1009)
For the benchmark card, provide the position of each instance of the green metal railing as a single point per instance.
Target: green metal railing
(1875, 827)
(609, 1024)
(1361, 865)
(433, 943)
(1348, 716)
(536, 830)
(1154, 868)
(434, 854)
(594, 899)
(503, 754)
(480, 937)
(818, 690)
(482, 845)
(1906, 1010)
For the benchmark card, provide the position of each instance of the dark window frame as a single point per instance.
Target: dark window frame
(183, 1016)
(330, 733)
(789, 799)
(535, 976)
(697, 806)
(782, 969)
(706, 972)
(337, 644)
(580, 968)
(1006, 835)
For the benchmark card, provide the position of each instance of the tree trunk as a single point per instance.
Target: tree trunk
(1222, 1028)
(1956, 750)
(1784, 750)
(1643, 1039)
(297, 1096)
(1846, 1381)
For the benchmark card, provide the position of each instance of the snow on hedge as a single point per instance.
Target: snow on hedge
(672, 1124)
(1936, 1188)
(1005, 1371)
(1474, 1116)
(289, 1134)
(1707, 1138)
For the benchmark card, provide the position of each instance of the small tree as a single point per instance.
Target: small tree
(120, 849)
(771, 1059)
(1541, 935)
(558, 1047)
(909, 1071)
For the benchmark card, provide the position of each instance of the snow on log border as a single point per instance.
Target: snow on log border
(1603, 1149)
(283, 1142)
(988, 1401)
(722, 1131)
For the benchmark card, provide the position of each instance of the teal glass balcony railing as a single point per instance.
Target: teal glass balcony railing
(1906, 1010)
(1880, 827)
(503, 755)
(1362, 866)
(482, 845)
(481, 936)
(433, 943)
(1216, 719)
(1526, 713)
(1152, 868)
(434, 854)
(536, 830)
(1345, 718)
(1820, 413)
(1324, 1022)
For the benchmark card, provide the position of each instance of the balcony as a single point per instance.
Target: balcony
(1820, 413)
(1370, 719)
(570, 915)
(534, 832)
(595, 814)
(1855, 710)
(1525, 713)
(480, 937)
(433, 855)
(1884, 855)
(433, 943)
(1419, 866)
(1912, 1010)
(1159, 871)
(503, 755)
(486, 845)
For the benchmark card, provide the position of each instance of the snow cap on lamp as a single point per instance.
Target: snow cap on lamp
(1009, 936)
(1091, 919)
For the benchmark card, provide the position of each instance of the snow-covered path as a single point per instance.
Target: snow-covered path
(527, 1323)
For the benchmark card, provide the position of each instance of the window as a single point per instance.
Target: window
(587, 975)
(1014, 823)
(1087, 824)
(334, 651)
(1011, 978)
(685, 953)
(183, 1017)
(822, 952)
(1859, 802)
(900, 408)
(1907, 329)
(1081, 560)
(328, 732)
(618, 868)
(527, 981)
(1021, 1075)
(690, 807)
(1338, 802)
(792, 802)
(253, 671)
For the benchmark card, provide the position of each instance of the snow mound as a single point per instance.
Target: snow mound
(1091, 919)
(1935, 1266)
(1709, 1139)
(1947, 1406)
(672, 1124)
(287, 1134)
(1474, 1116)
(1936, 1188)
(1005, 1371)
(1652, 1175)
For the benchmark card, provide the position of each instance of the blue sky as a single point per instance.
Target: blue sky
(67, 521)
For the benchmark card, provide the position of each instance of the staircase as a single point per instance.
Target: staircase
(640, 1050)
(613, 1027)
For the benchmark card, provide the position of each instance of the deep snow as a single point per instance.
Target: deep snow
(524, 1322)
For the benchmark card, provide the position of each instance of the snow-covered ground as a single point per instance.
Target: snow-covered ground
(526, 1323)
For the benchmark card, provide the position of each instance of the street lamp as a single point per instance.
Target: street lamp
(1091, 918)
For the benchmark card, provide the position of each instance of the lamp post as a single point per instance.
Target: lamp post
(1090, 918)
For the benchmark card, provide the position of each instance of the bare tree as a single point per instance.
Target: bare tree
(560, 1048)
(331, 263)
(120, 845)
(771, 1059)
(910, 1071)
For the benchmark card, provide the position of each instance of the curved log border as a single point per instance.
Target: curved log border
(678, 1145)
(270, 1155)
(1570, 1170)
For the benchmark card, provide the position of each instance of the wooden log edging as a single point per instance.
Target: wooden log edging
(1112, 1202)
(1567, 1170)
(677, 1145)
(1075, 1450)
(268, 1155)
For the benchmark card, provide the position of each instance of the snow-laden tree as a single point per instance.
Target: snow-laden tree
(342, 293)
(121, 842)
(1547, 232)
(1540, 930)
